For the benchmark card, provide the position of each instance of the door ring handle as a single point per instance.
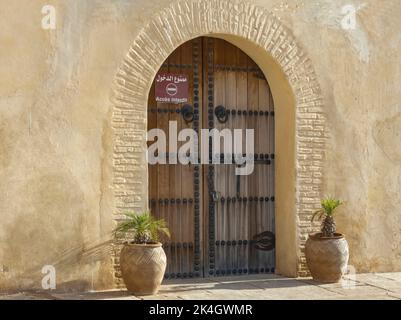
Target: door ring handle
(221, 114)
(187, 112)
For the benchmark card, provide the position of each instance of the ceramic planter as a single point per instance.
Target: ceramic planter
(143, 267)
(327, 258)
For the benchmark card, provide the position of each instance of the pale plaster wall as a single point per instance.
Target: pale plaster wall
(55, 136)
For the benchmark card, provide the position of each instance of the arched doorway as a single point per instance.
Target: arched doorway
(221, 223)
(300, 121)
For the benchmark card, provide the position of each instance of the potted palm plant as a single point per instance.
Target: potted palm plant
(142, 259)
(327, 251)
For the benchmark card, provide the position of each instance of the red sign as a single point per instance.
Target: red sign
(171, 88)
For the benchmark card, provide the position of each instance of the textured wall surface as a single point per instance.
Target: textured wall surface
(57, 166)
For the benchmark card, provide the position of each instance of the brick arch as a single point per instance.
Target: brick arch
(188, 19)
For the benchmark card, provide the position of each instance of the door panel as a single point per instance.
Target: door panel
(221, 224)
(174, 189)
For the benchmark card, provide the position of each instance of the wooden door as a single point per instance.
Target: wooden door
(221, 223)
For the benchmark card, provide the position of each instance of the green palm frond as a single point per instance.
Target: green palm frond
(144, 227)
(328, 207)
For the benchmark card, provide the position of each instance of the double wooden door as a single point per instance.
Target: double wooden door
(221, 223)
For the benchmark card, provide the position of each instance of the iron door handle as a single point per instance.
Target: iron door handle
(187, 112)
(221, 114)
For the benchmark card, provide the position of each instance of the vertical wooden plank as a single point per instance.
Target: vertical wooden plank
(208, 89)
(263, 176)
(242, 101)
(219, 170)
(253, 103)
(175, 173)
(152, 169)
(272, 178)
(187, 172)
(197, 68)
(163, 181)
(231, 57)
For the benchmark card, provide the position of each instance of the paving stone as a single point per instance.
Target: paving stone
(363, 290)
(344, 283)
(96, 295)
(363, 297)
(396, 276)
(24, 296)
(395, 295)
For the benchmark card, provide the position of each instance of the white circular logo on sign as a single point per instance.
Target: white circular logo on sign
(171, 89)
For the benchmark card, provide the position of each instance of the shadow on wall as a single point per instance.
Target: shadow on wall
(52, 227)
(69, 264)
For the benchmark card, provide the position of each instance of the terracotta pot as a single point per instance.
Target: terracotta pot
(143, 267)
(327, 258)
